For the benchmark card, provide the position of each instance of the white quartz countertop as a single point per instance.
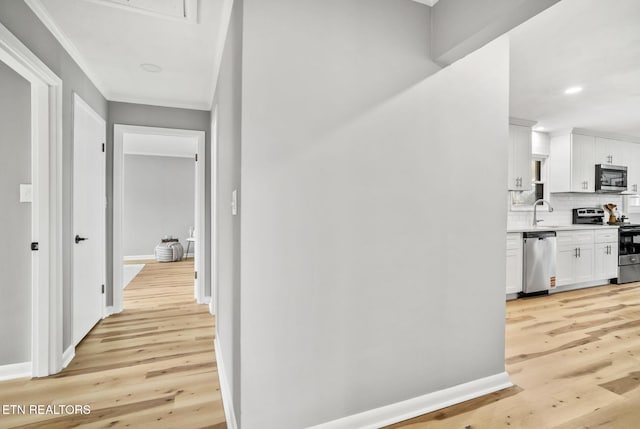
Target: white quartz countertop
(542, 227)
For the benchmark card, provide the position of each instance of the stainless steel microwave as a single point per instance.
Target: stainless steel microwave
(611, 178)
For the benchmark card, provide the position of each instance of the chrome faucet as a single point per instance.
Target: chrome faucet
(535, 210)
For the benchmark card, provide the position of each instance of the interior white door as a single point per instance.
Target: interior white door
(89, 132)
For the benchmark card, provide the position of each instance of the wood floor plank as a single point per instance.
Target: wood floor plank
(574, 359)
(153, 365)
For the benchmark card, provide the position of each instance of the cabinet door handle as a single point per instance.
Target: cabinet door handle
(579, 253)
(608, 252)
(575, 252)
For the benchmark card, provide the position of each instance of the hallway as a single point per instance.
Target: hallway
(153, 365)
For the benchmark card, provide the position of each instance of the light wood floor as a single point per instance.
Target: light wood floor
(574, 359)
(151, 366)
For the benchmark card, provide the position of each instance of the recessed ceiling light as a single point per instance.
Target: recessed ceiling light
(151, 68)
(573, 90)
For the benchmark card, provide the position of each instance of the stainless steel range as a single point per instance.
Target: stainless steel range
(629, 253)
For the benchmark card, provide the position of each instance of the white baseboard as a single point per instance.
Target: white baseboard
(424, 404)
(225, 390)
(16, 370)
(147, 257)
(68, 356)
(139, 257)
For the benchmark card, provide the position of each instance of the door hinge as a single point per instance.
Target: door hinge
(196, 275)
(35, 246)
(103, 289)
(103, 147)
(196, 157)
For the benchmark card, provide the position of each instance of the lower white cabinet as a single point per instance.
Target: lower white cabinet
(606, 254)
(514, 263)
(585, 256)
(575, 257)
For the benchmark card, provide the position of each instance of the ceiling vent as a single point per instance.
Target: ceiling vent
(182, 10)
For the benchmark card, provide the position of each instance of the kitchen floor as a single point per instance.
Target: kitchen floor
(574, 359)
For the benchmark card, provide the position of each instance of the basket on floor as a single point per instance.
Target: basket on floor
(169, 252)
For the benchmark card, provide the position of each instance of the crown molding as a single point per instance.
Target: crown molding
(43, 14)
(150, 101)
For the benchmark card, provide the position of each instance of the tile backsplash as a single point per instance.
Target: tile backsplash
(563, 204)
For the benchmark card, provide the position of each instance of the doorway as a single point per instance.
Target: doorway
(44, 195)
(143, 139)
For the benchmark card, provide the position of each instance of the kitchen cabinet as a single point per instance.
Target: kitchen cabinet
(633, 165)
(610, 151)
(606, 254)
(514, 263)
(519, 169)
(572, 163)
(583, 166)
(575, 257)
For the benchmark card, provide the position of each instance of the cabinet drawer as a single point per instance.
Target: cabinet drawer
(607, 236)
(575, 237)
(514, 240)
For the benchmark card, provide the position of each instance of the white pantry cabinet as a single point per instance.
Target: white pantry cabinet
(519, 169)
(514, 263)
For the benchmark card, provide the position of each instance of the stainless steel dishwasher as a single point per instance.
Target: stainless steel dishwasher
(539, 262)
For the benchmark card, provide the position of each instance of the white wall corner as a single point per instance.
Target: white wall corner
(404, 410)
(16, 370)
(225, 390)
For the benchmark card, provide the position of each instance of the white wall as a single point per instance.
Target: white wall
(15, 218)
(352, 297)
(159, 200)
(227, 237)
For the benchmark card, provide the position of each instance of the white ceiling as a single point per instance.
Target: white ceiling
(156, 145)
(590, 43)
(110, 39)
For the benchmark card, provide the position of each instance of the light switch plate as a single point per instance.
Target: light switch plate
(26, 193)
(234, 202)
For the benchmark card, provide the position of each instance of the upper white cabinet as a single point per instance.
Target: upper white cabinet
(610, 151)
(633, 165)
(573, 157)
(572, 163)
(519, 173)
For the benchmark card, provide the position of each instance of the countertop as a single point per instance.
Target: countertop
(543, 227)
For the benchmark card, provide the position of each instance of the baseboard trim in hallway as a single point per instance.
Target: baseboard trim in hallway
(227, 397)
(16, 370)
(404, 410)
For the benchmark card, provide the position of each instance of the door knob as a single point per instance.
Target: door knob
(79, 239)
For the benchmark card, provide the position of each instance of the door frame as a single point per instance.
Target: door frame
(46, 209)
(119, 131)
(79, 102)
(213, 305)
